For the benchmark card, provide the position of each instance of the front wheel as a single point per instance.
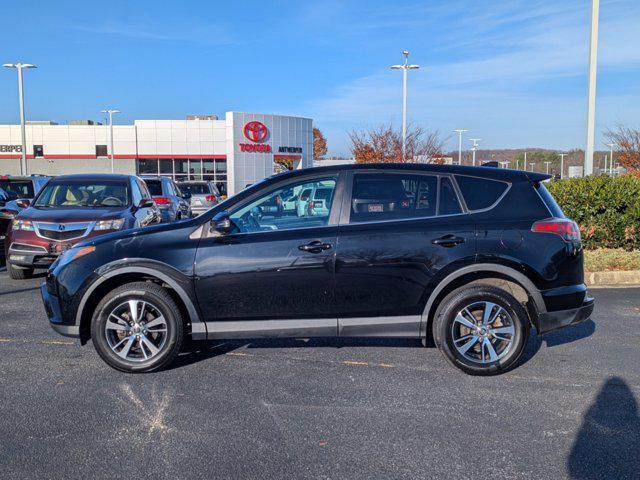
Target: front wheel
(137, 328)
(18, 273)
(481, 329)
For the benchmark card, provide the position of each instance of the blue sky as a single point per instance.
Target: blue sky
(513, 72)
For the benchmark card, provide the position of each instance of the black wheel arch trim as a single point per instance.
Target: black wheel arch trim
(110, 270)
(509, 272)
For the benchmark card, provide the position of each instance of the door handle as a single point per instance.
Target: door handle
(448, 241)
(315, 247)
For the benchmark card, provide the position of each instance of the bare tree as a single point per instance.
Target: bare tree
(384, 145)
(628, 143)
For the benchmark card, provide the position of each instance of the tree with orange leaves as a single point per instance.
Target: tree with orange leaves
(384, 145)
(628, 143)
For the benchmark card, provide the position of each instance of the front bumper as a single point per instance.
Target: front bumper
(550, 321)
(31, 259)
(52, 308)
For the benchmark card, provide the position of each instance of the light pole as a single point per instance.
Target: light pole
(611, 145)
(23, 132)
(474, 148)
(546, 164)
(404, 67)
(460, 131)
(111, 112)
(533, 164)
(562, 155)
(591, 94)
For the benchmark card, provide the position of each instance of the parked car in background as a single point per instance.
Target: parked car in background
(172, 202)
(320, 201)
(469, 257)
(15, 192)
(70, 209)
(204, 195)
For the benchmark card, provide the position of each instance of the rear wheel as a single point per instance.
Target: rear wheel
(481, 329)
(18, 273)
(137, 328)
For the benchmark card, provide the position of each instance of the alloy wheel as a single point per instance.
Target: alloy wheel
(483, 332)
(136, 330)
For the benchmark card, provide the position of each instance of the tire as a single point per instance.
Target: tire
(17, 273)
(123, 333)
(488, 354)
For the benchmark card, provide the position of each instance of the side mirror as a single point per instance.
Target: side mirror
(145, 203)
(23, 203)
(221, 223)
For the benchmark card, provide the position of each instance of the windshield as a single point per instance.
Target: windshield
(84, 194)
(195, 188)
(21, 188)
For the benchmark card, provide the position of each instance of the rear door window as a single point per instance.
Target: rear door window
(392, 196)
(480, 193)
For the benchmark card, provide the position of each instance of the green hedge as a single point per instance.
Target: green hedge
(606, 208)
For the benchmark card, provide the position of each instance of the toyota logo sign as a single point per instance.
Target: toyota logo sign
(256, 131)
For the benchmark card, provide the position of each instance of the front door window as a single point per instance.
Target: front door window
(303, 204)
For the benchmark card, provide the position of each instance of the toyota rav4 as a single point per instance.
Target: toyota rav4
(471, 257)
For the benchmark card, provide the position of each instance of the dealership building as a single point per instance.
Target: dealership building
(234, 153)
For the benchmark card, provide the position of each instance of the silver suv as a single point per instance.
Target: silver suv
(204, 195)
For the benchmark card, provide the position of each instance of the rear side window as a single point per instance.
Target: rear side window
(449, 204)
(388, 196)
(549, 201)
(480, 193)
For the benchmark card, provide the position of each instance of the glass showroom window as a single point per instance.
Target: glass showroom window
(148, 166)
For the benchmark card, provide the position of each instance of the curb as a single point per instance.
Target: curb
(616, 278)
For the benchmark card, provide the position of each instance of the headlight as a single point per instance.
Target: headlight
(25, 225)
(114, 224)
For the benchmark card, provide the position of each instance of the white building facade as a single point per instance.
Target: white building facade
(234, 153)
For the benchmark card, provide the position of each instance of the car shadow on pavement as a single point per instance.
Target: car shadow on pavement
(553, 339)
(20, 290)
(608, 443)
(197, 351)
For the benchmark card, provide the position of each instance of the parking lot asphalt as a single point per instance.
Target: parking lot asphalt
(320, 408)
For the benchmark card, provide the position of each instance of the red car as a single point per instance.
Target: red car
(71, 208)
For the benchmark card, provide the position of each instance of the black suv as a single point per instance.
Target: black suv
(471, 257)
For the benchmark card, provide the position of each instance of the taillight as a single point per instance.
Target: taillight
(161, 200)
(312, 205)
(567, 229)
(210, 198)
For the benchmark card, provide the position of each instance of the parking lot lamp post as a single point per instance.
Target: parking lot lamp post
(474, 148)
(404, 67)
(611, 145)
(533, 164)
(23, 133)
(546, 164)
(562, 155)
(591, 92)
(460, 131)
(111, 112)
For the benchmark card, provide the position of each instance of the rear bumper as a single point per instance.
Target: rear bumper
(550, 321)
(52, 308)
